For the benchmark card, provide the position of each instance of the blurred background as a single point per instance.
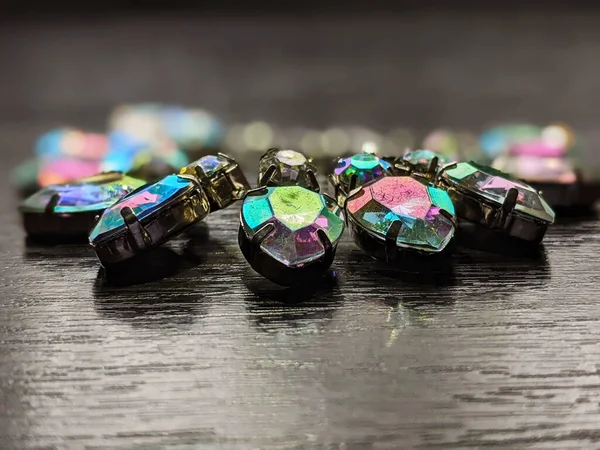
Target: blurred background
(396, 69)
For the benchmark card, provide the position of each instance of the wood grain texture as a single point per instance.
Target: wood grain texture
(204, 353)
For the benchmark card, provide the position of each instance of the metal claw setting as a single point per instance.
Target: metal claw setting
(157, 212)
(289, 232)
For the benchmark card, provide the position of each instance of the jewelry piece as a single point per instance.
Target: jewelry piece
(289, 233)
(158, 211)
(390, 214)
(491, 198)
(355, 171)
(287, 168)
(69, 210)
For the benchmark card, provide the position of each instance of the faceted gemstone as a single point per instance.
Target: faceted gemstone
(210, 164)
(494, 185)
(365, 166)
(291, 168)
(297, 214)
(422, 158)
(376, 205)
(92, 194)
(537, 169)
(143, 202)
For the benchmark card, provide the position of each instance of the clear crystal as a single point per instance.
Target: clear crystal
(291, 169)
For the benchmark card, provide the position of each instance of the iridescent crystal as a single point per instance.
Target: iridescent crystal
(297, 214)
(209, 164)
(494, 185)
(93, 194)
(365, 167)
(143, 202)
(291, 168)
(376, 205)
(71, 142)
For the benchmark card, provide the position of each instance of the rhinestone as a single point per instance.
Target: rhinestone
(209, 164)
(365, 166)
(84, 195)
(143, 203)
(376, 205)
(494, 185)
(297, 214)
(291, 169)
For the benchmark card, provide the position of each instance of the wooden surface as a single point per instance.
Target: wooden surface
(202, 352)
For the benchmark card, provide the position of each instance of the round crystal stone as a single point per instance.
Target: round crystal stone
(364, 166)
(297, 214)
(291, 168)
(91, 194)
(377, 205)
(493, 185)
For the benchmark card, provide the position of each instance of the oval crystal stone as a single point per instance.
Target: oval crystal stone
(494, 185)
(377, 205)
(297, 213)
(143, 202)
(88, 194)
(291, 168)
(364, 166)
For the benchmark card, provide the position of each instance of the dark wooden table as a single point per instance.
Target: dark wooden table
(200, 352)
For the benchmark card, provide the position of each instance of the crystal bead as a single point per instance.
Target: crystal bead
(291, 168)
(143, 202)
(493, 185)
(418, 206)
(297, 214)
(90, 194)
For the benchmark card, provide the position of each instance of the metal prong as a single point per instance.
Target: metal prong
(261, 190)
(269, 150)
(200, 174)
(391, 238)
(332, 180)
(257, 240)
(227, 157)
(51, 205)
(443, 169)
(353, 182)
(448, 216)
(313, 180)
(140, 236)
(325, 240)
(508, 206)
(264, 180)
(432, 168)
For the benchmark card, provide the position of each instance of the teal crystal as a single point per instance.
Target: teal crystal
(143, 202)
(83, 196)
